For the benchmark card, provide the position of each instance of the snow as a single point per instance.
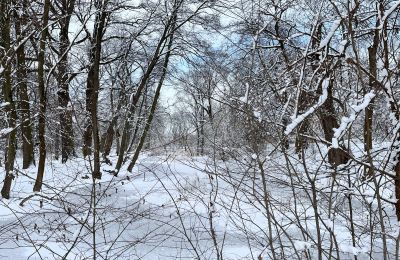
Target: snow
(302, 245)
(388, 13)
(353, 250)
(295, 35)
(342, 46)
(245, 98)
(347, 121)
(300, 118)
(6, 131)
(149, 211)
(4, 104)
(332, 31)
(257, 114)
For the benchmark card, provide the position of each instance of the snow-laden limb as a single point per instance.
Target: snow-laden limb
(388, 13)
(342, 46)
(257, 115)
(300, 118)
(348, 120)
(245, 98)
(6, 131)
(302, 245)
(391, 104)
(4, 104)
(332, 31)
(353, 250)
(295, 35)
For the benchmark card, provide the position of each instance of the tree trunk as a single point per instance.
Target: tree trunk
(91, 132)
(137, 126)
(155, 99)
(305, 98)
(7, 92)
(201, 124)
(143, 83)
(109, 135)
(327, 114)
(397, 186)
(67, 134)
(369, 110)
(56, 138)
(24, 107)
(301, 142)
(42, 98)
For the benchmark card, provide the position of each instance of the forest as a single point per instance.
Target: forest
(200, 129)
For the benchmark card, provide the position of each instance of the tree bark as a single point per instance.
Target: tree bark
(67, 134)
(42, 98)
(327, 114)
(24, 108)
(8, 97)
(136, 97)
(137, 126)
(110, 132)
(373, 85)
(156, 97)
(301, 142)
(91, 132)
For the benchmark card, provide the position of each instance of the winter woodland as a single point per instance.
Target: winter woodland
(200, 129)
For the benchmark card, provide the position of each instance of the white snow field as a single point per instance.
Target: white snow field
(180, 207)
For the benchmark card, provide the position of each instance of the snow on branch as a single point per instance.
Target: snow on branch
(348, 120)
(245, 98)
(388, 13)
(300, 118)
(328, 38)
(4, 104)
(5, 131)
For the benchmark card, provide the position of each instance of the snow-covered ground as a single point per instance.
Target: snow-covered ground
(179, 207)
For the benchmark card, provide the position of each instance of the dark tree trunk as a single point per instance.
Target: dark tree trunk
(397, 187)
(24, 107)
(369, 110)
(133, 103)
(305, 98)
(124, 140)
(201, 124)
(327, 114)
(156, 97)
(137, 126)
(42, 98)
(110, 132)
(66, 131)
(8, 97)
(56, 138)
(301, 142)
(91, 132)
(109, 137)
